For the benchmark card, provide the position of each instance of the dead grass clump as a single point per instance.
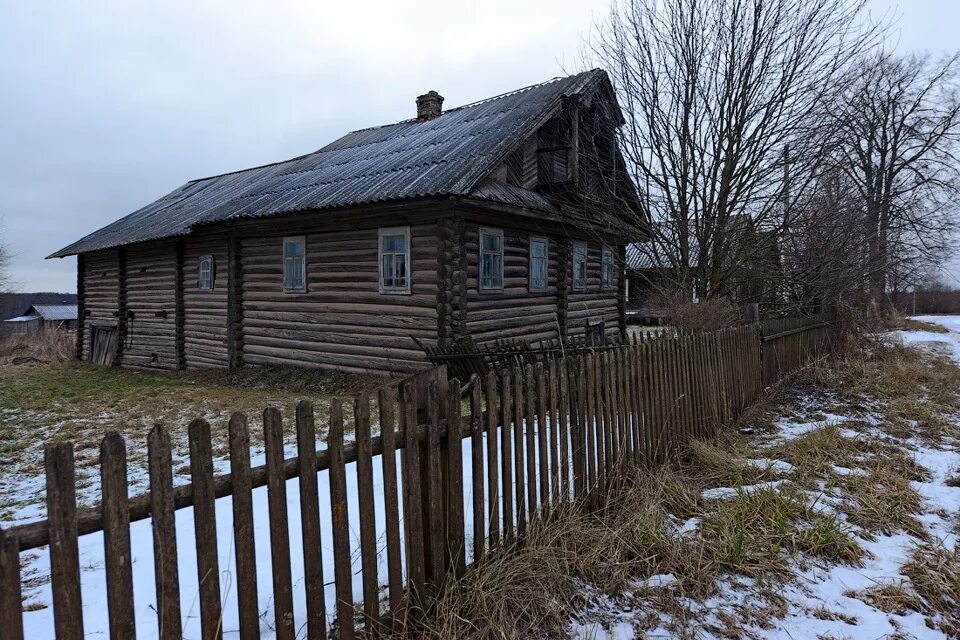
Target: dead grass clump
(909, 324)
(896, 598)
(882, 501)
(934, 572)
(46, 346)
(953, 480)
(709, 314)
(720, 466)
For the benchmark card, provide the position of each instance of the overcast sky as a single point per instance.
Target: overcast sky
(106, 106)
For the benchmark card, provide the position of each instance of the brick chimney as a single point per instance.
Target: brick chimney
(429, 105)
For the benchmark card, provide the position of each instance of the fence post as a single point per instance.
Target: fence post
(506, 457)
(279, 530)
(310, 521)
(391, 506)
(205, 529)
(11, 597)
(493, 482)
(116, 536)
(164, 534)
(343, 575)
(64, 551)
(243, 540)
(367, 513)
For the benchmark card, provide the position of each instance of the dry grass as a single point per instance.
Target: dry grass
(934, 572)
(908, 324)
(892, 597)
(710, 314)
(44, 346)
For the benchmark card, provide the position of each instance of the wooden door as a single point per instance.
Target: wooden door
(103, 344)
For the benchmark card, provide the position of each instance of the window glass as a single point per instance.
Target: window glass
(205, 279)
(607, 275)
(579, 266)
(294, 272)
(394, 260)
(491, 259)
(538, 264)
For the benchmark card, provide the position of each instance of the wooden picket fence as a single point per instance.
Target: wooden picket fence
(534, 438)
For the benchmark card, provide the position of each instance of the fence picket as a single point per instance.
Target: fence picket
(116, 536)
(412, 501)
(279, 530)
(343, 576)
(478, 471)
(435, 496)
(310, 521)
(493, 483)
(391, 505)
(506, 457)
(164, 534)
(519, 469)
(456, 535)
(64, 552)
(245, 556)
(205, 529)
(11, 594)
(368, 516)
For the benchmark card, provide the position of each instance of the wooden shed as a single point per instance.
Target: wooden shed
(505, 218)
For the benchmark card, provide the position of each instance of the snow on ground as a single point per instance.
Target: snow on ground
(821, 602)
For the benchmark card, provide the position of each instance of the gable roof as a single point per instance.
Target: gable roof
(446, 156)
(54, 311)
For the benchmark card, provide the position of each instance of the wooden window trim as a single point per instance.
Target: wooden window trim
(213, 280)
(303, 265)
(394, 231)
(546, 256)
(586, 265)
(604, 285)
(480, 252)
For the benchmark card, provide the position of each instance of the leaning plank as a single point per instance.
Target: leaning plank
(279, 530)
(116, 536)
(205, 529)
(391, 505)
(341, 524)
(412, 501)
(11, 595)
(310, 521)
(477, 469)
(456, 537)
(164, 534)
(64, 553)
(493, 482)
(368, 521)
(243, 541)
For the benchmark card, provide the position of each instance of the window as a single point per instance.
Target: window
(395, 260)
(538, 264)
(294, 264)
(491, 259)
(607, 272)
(579, 266)
(205, 273)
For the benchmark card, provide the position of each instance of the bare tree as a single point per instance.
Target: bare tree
(725, 104)
(898, 120)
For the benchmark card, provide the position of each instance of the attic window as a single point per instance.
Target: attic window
(205, 276)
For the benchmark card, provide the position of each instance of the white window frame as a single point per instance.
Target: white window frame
(394, 231)
(480, 252)
(573, 266)
(608, 279)
(531, 286)
(201, 261)
(303, 264)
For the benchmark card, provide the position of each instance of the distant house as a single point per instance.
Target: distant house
(59, 317)
(13, 305)
(505, 218)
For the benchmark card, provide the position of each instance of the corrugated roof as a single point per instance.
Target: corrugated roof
(448, 155)
(55, 311)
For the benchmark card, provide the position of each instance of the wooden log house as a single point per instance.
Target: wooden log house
(505, 218)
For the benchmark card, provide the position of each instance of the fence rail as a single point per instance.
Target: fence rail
(443, 484)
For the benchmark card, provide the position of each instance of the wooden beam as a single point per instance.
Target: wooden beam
(121, 305)
(81, 307)
(621, 290)
(564, 248)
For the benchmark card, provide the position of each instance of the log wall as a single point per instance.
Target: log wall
(342, 321)
(150, 307)
(205, 312)
(595, 302)
(100, 287)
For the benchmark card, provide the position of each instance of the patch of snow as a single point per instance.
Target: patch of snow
(660, 581)
(728, 493)
(767, 464)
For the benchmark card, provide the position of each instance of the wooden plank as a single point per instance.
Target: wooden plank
(412, 501)
(578, 411)
(343, 576)
(477, 467)
(368, 518)
(543, 434)
(243, 537)
(11, 594)
(64, 552)
(493, 483)
(391, 506)
(435, 512)
(554, 433)
(563, 424)
(279, 530)
(116, 536)
(590, 420)
(310, 520)
(205, 528)
(455, 525)
(506, 456)
(164, 534)
(519, 469)
(530, 416)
